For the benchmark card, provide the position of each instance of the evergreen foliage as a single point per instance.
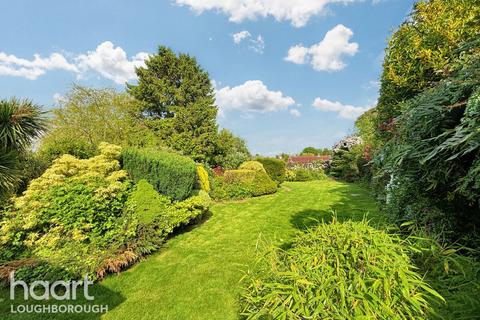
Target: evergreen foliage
(170, 174)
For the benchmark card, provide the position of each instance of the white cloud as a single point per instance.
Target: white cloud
(252, 96)
(256, 44)
(111, 62)
(297, 54)
(239, 36)
(107, 60)
(344, 111)
(295, 113)
(327, 54)
(11, 65)
(298, 12)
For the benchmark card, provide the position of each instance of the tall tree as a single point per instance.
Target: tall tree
(21, 122)
(177, 98)
(88, 116)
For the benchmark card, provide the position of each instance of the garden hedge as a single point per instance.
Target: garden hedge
(252, 165)
(170, 174)
(242, 183)
(274, 167)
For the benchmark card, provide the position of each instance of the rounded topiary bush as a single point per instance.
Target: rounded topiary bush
(274, 167)
(242, 183)
(337, 271)
(252, 165)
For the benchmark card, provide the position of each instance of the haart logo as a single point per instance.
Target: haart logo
(58, 291)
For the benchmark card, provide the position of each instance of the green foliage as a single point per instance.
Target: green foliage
(70, 215)
(147, 202)
(430, 169)
(20, 123)
(58, 143)
(203, 178)
(88, 116)
(82, 217)
(252, 165)
(275, 168)
(231, 150)
(423, 51)
(311, 151)
(169, 81)
(345, 164)
(337, 271)
(242, 183)
(305, 174)
(170, 174)
(450, 270)
(192, 131)
(177, 99)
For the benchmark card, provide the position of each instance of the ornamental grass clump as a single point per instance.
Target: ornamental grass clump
(337, 271)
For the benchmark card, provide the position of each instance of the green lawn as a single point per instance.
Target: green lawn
(196, 275)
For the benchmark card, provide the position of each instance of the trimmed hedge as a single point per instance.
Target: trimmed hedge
(239, 184)
(170, 174)
(274, 167)
(252, 165)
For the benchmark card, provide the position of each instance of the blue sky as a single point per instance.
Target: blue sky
(297, 75)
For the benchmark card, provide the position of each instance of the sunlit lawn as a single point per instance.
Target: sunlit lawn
(196, 275)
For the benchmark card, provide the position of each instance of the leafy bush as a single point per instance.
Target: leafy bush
(203, 178)
(337, 271)
(170, 174)
(274, 167)
(231, 150)
(252, 165)
(452, 270)
(239, 184)
(147, 203)
(82, 217)
(70, 215)
(57, 144)
(157, 218)
(429, 171)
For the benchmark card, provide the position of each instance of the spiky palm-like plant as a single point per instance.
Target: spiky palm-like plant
(21, 121)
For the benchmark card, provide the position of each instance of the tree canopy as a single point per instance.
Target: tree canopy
(177, 99)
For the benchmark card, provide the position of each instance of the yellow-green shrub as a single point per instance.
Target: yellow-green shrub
(83, 217)
(252, 165)
(242, 183)
(70, 215)
(202, 176)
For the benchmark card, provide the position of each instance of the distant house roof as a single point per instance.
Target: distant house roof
(307, 159)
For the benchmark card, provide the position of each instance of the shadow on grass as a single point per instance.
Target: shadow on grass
(196, 223)
(103, 296)
(351, 204)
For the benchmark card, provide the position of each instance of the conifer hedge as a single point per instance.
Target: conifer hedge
(170, 174)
